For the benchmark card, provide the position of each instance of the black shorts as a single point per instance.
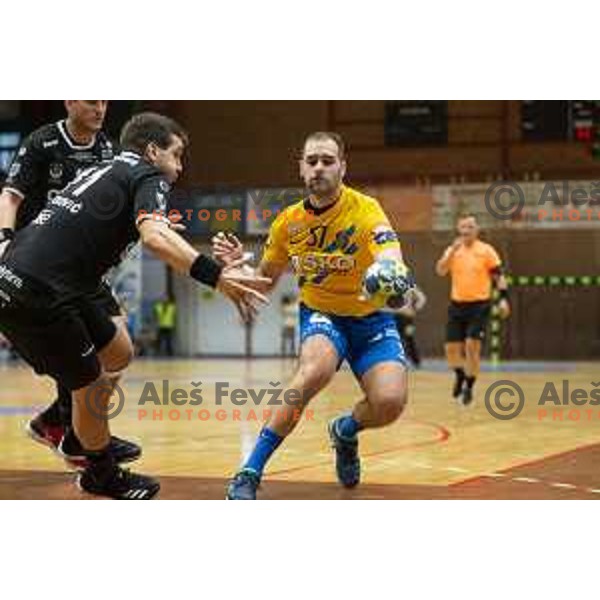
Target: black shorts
(97, 310)
(104, 300)
(467, 320)
(56, 338)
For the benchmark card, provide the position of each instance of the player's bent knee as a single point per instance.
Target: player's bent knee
(118, 354)
(314, 377)
(390, 405)
(116, 363)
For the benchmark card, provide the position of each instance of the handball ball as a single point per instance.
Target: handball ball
(383, 280)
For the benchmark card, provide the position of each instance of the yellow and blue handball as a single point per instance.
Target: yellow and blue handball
(386, 283)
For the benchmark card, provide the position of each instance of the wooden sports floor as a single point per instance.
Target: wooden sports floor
(437, 450)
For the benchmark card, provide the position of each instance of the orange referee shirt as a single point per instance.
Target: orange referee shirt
(471, 272)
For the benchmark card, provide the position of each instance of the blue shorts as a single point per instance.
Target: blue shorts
(362, 341)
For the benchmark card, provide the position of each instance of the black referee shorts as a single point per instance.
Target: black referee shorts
(467, 320)
(56, 338)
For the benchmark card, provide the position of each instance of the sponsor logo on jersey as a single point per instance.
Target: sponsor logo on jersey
(43, 217)
(10, 277)
(67, 204)
(56, 171)
(384, 235)
(315, 263)
(49, 144)
(85, 157)
(295, 230)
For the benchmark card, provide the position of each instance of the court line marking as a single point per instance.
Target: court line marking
(568, 486)
(456, 469)
(532, 480)
(442, 436)
(521, 479)
(535, 461)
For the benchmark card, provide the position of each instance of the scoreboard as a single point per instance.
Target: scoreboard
(559, 120)
(412, 123)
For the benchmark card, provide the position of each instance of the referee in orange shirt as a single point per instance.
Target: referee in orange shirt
(474, 267)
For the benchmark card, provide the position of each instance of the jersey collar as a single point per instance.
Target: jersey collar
(319, 210)
(62, 127)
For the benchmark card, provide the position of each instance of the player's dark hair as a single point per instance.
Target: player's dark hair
(147, 127)
(466, 215)
(329, 135)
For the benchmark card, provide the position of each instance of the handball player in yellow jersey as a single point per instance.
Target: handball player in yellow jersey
(330, 239)
(474, 267)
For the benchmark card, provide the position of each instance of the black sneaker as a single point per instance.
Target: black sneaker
(459, 382)
(73, 453)
(467, 396)
(243, 486)
(118, 484)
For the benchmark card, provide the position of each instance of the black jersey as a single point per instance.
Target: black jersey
(87, 228)
(46, 162)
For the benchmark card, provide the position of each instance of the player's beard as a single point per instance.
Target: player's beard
(323, 188)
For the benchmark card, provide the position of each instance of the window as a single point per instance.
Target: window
(9, 142)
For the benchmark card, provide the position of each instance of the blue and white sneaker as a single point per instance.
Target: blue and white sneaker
(244, 485)
(347, 461)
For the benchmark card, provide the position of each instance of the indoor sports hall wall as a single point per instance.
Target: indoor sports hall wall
(548, 321)
(256, 143)
(208, 325)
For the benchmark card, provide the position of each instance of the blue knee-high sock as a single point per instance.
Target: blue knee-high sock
(348, 426)
(268, 441)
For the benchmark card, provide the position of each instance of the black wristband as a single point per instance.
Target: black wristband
(503, 294)
(6, 233)
(206, 270)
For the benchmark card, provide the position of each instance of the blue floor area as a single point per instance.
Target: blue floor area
(515, 366)
(16, 411)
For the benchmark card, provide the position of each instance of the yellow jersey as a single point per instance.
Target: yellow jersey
(330, 249)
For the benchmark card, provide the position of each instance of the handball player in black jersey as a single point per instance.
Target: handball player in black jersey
(53, 264)
(46, 162)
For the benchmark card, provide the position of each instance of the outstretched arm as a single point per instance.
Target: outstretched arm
(241, 287)
(228, 249)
